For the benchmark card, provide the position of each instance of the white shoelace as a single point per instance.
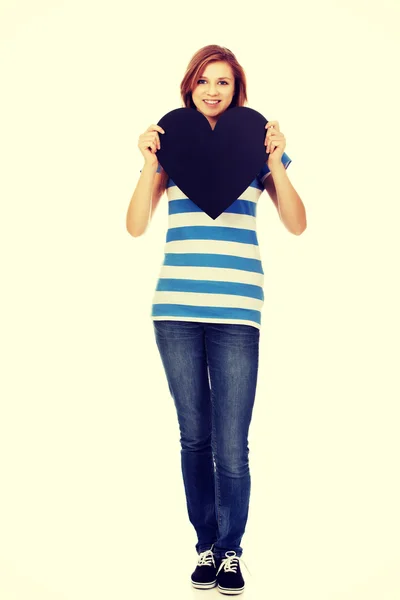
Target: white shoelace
(229, 563)
(206, 558)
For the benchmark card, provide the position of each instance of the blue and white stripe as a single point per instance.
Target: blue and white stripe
(212, 269)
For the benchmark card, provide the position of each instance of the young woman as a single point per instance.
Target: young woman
(207, 316)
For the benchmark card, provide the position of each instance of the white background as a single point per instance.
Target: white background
(92, 503)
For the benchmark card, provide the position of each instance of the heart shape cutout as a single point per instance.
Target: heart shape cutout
(213, 167)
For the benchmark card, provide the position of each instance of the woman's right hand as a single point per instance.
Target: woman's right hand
(149, 143)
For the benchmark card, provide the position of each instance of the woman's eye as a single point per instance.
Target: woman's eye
(204, 80)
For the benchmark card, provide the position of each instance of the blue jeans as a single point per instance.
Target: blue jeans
(211, 370)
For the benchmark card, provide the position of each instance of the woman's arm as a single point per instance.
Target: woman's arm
(143, 200)
(287, 201)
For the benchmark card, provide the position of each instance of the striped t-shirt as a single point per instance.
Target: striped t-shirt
(212, 269)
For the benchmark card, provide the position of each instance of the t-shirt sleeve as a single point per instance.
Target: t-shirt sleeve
(265, 172)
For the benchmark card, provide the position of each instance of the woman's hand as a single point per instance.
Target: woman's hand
(149, 143)
(275, 143)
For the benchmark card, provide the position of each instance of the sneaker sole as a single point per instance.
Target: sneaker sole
(230, 592)
(204, 586)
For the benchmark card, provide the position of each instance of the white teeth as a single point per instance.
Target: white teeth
(208, 102)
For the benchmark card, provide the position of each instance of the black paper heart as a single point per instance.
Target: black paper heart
(213, 167)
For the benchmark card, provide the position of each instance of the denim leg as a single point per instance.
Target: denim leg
(232, 353)
(181, 346)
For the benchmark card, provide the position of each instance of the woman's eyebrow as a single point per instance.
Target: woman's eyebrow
(204, 77)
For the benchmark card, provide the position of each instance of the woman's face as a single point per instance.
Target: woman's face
(216, 82)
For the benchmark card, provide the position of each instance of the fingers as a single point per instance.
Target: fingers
(272, 135)
(156, 128)
(147, 142)
(150, 139)
(156, 138)
(274, 124)
(156, 142)
(273, 130)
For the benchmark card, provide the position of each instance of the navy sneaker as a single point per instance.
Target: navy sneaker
(204, 577)
(229, 577)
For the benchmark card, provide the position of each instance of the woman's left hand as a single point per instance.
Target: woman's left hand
(275, 143)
